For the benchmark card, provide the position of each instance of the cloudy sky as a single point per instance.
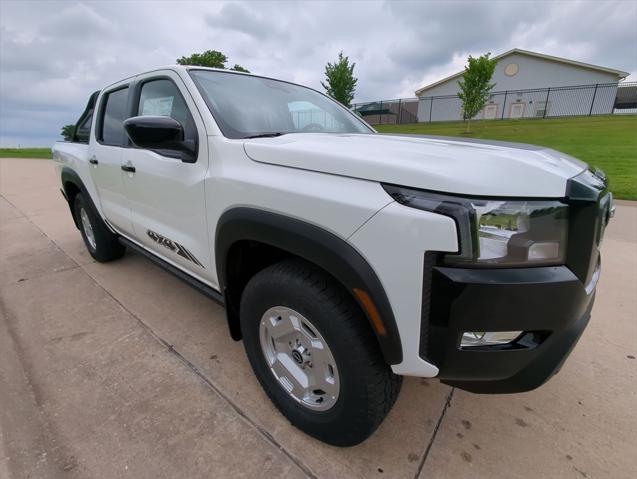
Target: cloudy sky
(53, 54)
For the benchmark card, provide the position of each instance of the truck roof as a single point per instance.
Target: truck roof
(178, 68)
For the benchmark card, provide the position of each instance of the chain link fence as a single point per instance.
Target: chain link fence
(598, 99)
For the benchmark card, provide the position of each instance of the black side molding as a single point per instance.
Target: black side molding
(315, 245)
(185, 277)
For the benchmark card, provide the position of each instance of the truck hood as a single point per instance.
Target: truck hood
(461, 166)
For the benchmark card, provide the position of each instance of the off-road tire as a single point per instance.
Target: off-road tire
(368, 388)
(107, 247)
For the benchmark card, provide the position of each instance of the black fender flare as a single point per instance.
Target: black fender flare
(68, 175)
(318, 246)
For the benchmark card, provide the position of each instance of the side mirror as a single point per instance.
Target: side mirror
(163, 134)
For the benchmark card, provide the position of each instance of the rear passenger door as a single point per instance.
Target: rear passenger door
(105, 157)
(167, 195)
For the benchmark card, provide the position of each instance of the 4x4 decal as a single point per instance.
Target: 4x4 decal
(173, 246)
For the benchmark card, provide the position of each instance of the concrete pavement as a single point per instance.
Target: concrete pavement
(121, 370)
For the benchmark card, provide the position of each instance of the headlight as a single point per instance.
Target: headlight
(505, 233)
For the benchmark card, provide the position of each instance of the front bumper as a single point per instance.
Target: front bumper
(550, 304)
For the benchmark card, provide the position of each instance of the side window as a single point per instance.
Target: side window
(84, 129)
(162, 98)
(113, 117)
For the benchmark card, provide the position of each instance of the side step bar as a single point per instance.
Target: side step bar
(185, 277)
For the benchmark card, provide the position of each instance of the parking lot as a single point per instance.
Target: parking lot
(121, 370)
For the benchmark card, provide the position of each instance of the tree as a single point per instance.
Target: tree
(67, 132)
(476, 85)
(239, 68)
(211, 59)
(341, 83)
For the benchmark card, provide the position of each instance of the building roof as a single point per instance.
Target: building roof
(620, 74)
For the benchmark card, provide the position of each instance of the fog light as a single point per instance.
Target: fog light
(545, 250)
(488, 338)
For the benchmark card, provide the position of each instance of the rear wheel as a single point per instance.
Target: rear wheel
(314, 353)
(101, 243)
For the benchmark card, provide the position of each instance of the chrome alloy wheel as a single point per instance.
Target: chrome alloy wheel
(299, 358)
(88, 229)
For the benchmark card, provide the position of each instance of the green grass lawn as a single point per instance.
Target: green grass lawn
(25, 153)
(606, 142)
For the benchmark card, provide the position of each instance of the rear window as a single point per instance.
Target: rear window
(113, 118)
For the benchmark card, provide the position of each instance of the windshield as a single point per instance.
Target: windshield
(247, 106)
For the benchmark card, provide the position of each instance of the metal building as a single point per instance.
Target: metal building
(529, 85)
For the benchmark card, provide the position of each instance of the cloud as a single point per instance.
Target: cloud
(51, 62)
(239, 18)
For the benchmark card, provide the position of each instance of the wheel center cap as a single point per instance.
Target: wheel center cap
(297, 356)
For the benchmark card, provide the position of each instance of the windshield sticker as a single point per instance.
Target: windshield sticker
(158, 106)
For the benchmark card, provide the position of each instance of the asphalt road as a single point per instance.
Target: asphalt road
(121, 370)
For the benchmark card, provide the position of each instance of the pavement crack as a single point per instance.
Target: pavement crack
(49, 445)
(43, 233)
(264, 432)
(238, 410)
(434, 433)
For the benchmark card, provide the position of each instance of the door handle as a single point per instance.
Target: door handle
(93, 161)
(129, 168)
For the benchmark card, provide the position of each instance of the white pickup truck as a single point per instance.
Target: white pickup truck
(345, 259)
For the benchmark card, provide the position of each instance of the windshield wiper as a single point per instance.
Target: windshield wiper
(264, 135)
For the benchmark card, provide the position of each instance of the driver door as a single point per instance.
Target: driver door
(166, 195)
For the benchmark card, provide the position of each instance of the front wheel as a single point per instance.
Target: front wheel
(314, 353)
